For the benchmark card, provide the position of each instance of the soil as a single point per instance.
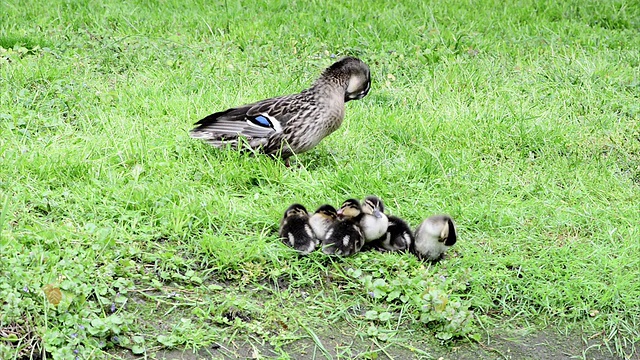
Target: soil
(509, 345)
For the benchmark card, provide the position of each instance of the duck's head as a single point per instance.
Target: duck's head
(357, 76)
(373, 205)
(295, 210)
(350, 209)
(328, 212)
(442, 228)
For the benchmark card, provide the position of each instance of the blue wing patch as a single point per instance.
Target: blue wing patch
(261, 121)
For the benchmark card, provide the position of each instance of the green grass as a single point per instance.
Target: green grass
(520, 119)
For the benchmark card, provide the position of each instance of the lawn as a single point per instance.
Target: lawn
(118, 231)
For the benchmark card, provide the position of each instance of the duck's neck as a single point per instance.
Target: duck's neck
(331, 85)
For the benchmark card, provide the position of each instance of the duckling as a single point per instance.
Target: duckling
(322, 219)
(433, 237)
(295, 230)
(345, 237)
(398, 237)
(291, 124)
(374, 222)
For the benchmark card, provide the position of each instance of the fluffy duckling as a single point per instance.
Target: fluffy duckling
(322, 219)
(433, 237)
(398, 237)
(374, 222)
(345, 237)
(292, 124)
(295, 230)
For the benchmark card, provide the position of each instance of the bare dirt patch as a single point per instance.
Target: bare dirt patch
(517, 344)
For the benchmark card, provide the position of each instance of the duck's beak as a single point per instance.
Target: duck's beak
(377, 213)
(340, 211)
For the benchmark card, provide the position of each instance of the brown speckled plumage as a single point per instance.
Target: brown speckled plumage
(290, 124)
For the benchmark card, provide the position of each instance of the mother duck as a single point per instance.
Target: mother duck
(291, 124)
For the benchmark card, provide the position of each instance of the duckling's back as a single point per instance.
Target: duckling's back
(343, 238)
(296, 232)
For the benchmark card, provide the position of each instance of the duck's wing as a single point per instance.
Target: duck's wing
(257, 121)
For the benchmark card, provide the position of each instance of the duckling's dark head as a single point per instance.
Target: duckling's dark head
(442, 228)
(295, 210)
(350, 209)
(373, 205)
(451, 235)
(328, 211)
(353, 73)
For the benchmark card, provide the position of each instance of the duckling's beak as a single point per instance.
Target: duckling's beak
(377, 213)
(340, 211)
